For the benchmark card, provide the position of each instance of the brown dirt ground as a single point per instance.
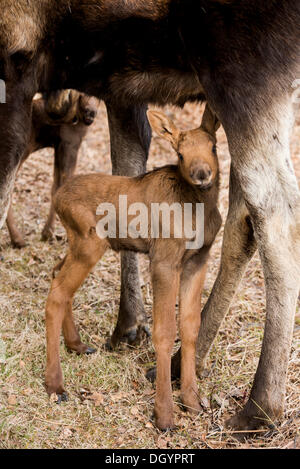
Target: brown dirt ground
(111, 402)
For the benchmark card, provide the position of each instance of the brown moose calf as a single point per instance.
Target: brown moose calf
(174, 267)
(60, 122)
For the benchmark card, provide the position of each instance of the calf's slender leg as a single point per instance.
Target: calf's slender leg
(165, 289)
(191, 286)
(74, 271)
(130, 141)
(239, 246)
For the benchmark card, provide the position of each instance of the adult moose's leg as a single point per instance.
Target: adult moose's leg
(15, 120)
(65, 161)
(15, 235)
(130, 141)
(263, 167)
(239, 245)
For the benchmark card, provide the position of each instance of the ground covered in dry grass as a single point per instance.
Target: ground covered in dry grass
(111, 402)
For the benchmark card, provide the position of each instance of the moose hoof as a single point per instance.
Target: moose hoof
(90, 351)
(47, 235)
(245, 425)
(62, 398)
(191, 405)
(165, 425)
(133, 337)
(19, 244)
(81, 349)
(151, 375)
(252, 417)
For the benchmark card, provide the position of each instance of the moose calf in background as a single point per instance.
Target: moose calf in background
(61, 122)
(175, 268)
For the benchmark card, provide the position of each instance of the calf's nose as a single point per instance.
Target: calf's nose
(202, 172)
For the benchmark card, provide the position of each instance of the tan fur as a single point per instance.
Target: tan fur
(173, 267)
(23, 23)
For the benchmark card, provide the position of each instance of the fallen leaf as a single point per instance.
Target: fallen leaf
(294, 444)
(149, 392)
(134, 411)
(53, 398)
(119, 396)
(220, 400)
(97, 398)
(149, 425)
(163, 442)
(205, 402)
(31, 262)
(66, 433)
(12, 400)
(237, 393)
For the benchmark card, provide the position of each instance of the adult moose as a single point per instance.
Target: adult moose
(242, 56)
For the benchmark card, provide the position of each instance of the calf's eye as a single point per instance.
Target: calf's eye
(180, 156)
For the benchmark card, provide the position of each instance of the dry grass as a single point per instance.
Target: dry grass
(111, 402)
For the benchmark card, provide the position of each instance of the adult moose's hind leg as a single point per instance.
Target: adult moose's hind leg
(130, 141)
(264, 170)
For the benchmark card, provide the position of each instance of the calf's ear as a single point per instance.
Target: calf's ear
(210, 122)
(163, 126)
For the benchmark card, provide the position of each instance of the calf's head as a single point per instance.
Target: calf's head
(196, 149)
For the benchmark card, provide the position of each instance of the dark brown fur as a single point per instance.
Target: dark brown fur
(60, 122)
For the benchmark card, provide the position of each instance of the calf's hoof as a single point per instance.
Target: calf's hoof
(191, 404)
(18, 243)
(47, 235)
(55, 388)
(90, 351)
(164, 424)
(81, 349)
(62, 398)
(164, 416)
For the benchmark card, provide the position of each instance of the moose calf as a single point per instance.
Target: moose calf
(60, 122)
(174, 268)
